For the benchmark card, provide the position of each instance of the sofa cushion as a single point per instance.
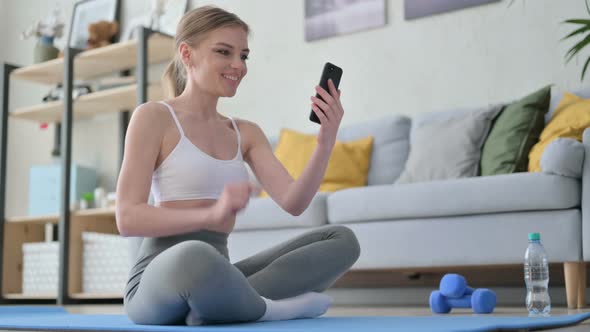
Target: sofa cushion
(447, 146)
(514, 133)
(569, 120)
(390, 146)
(409, 243)
(265, 213)
(490, 194)
(557, 94)
(483, 239)
(563, 156)
(348, 165)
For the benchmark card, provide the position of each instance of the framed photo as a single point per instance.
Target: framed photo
(421, 8)
(173, 12)
(327, 18)
(87, 12)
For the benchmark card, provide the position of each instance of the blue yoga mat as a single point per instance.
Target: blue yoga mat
(58, 319)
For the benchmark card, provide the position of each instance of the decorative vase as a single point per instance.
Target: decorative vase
(44, 50)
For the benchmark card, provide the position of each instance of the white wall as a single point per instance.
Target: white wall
(465, 58)
(28, 144)
(471, 57)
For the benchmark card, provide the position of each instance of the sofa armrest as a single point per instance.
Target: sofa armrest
(585, 203)
(565, 157)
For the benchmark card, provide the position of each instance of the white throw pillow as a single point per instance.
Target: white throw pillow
(447, 145)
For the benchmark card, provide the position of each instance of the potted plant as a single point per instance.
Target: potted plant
(582, 31)
(46, 31)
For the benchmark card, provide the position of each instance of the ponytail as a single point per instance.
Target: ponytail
(174, 78)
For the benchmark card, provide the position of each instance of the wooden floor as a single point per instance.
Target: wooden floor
(370, 311)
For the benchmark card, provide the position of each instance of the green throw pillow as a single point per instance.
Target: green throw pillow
(513, 134)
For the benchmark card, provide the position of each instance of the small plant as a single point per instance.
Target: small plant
(584, 31)
(88, 197)
(50, 27)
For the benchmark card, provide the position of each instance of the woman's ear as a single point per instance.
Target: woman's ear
(185, 53)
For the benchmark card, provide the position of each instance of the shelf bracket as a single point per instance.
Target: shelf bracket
(141, 74)
(66, 163)
(5, 90)
(141, 68)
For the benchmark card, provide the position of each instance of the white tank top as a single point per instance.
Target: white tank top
(189, 173)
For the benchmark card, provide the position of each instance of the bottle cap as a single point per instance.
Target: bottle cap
(534, 236)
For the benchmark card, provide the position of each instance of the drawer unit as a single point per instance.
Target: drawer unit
(45, 187)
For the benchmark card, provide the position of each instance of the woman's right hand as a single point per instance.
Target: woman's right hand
(235, 197)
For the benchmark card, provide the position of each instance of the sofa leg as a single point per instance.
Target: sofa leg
(582, 285)
(572, 275)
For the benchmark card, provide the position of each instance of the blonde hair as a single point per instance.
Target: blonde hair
(192, 29)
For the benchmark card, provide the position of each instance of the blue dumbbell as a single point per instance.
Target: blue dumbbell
(454, 285)
(482, 301)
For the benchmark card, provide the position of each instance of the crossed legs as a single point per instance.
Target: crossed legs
(192, 278)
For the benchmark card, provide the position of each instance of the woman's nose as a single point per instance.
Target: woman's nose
(238, 64)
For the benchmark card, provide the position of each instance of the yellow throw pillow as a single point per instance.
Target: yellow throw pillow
(569, 120)
(348, 165)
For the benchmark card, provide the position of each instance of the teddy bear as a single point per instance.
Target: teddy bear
(101, 33)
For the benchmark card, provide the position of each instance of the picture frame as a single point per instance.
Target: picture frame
(173, 12)
(328, 18)
(90, 11)
(414, 9)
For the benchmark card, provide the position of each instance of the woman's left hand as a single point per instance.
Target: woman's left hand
(330, 112)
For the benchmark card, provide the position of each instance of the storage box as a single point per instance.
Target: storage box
(45, 187)
(105, 266)
(40, 268)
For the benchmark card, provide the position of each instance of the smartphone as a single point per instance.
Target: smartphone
(332, 72)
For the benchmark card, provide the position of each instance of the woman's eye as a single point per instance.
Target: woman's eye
(224, 52)
(244, 57)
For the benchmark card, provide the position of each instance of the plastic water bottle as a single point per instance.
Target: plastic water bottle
(536, 277)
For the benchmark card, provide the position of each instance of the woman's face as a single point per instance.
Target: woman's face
(218, 63)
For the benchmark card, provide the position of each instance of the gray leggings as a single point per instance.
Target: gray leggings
(175, 274)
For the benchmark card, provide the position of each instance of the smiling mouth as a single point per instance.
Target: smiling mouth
(231, 77)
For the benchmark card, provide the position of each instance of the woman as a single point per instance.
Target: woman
(193, 158)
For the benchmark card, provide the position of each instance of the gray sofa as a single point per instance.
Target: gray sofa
(478, 221)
